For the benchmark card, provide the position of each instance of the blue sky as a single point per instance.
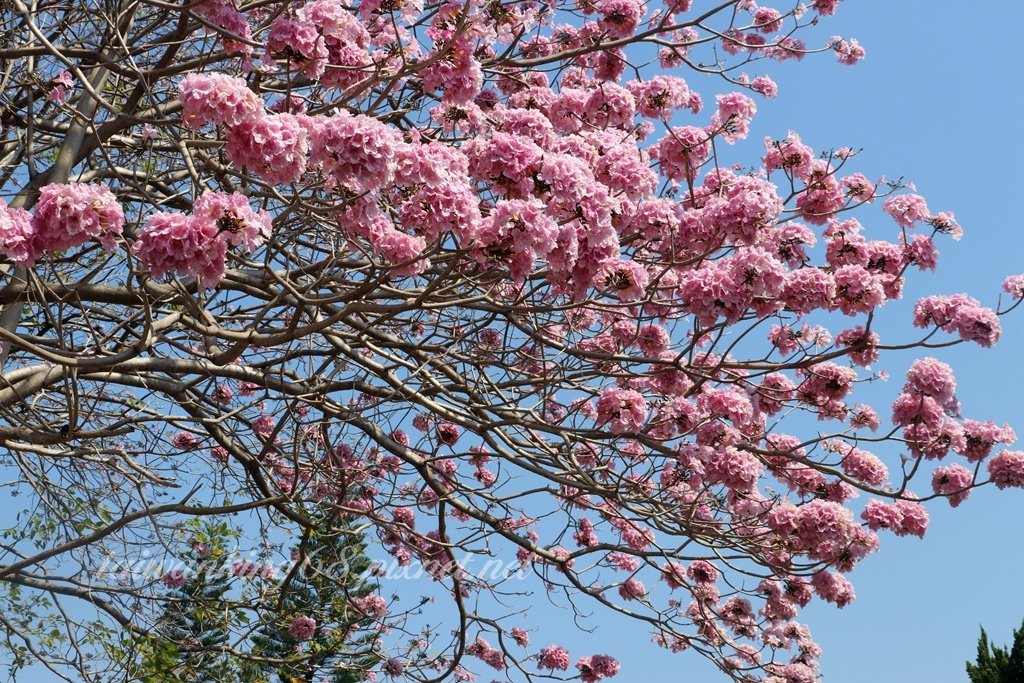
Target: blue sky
(936, 101)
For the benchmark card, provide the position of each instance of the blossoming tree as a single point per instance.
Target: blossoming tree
(468, 278)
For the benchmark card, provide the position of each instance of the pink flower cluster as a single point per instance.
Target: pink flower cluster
(1007, 469)
(65, 216)
(735, 111)
(174, 579)
(959, 313)
(16, 235)
(623, 410)
(903, 517)
(222, 14)
(217, 98)
(596, 667)
(197, 244)
(1014, 286)
(825, 530)
(302, 627)
(554, 657)
(481, 649)
(358, 151)
(954, 482)
(833, 587)
(272, 146)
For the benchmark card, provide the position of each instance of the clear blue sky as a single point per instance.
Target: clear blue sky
(937, 101)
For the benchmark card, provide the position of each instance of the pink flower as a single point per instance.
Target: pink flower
(735, 110)
(217, 99)
(742, 207)
(298, 43)
(173, 242)
(521, 637)
(233, 217)
(447, 433)
(931, 377)
(858, 187)
(66, 216)
(920, 251)
(863, 345)
(302, 628)
(823, 196)
(659, 96)
(273, 147)
(865, 466)
(807, 290)
(825, 7)
(626, 279)
(773, 392)
(554, 657)
(1007, 469)
(610, 106)
(16, 235)
(857, 290)
(915, 408)
(223, 15)
(764, 85)
(914, 518)
(596, 667)
(954, 482)
(959, 313)
(264, 425)
(624, 409)
(791, 155)
(906, 209)
(402, 251)
(620, 18)
(185, 441)
(681, 153)
(632, 589)
(833, 587)
(735, 469)
(1014, 286)
(516, 233)
(357, 150)
(482, 649)
(174, 579)
(848, 53)
(879, 515)
(980, 437)
(768, 20)
(864, 415)
(702, 571)
(978, 324)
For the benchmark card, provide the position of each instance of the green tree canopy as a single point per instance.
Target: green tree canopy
(997, 664)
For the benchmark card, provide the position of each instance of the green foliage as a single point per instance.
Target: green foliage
(997, 664)
(197, 617)
(322, 588)
(200, 619)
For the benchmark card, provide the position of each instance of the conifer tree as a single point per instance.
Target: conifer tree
(998, 664)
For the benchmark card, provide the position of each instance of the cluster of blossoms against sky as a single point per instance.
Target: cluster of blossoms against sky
(598, 186)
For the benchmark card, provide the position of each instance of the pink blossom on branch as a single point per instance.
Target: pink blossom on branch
(16, 234)
(623, 410)
(217, 98)
(554, 657)
(302, 627)
(67, 216)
